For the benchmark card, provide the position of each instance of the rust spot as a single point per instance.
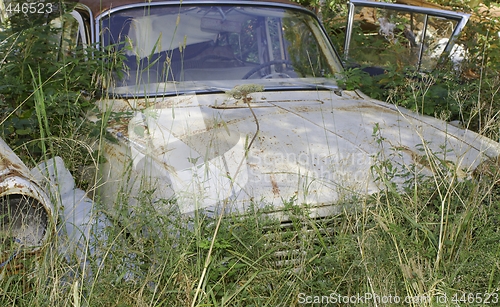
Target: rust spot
(276, 190)
(120, 125)
(305, 109)
(184, 102)
(296, 100)
(13, 167)
(366, 106)
(421, 160)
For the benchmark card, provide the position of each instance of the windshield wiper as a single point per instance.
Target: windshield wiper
(294, 85)
(176, 92)
(298, 85)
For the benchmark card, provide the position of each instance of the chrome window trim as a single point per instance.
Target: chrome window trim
(83, 7)
(410, 8)
(201, 3)
(81, 27)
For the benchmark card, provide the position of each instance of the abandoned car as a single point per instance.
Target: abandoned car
(222, 105)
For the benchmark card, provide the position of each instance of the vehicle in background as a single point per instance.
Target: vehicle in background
(380, 35)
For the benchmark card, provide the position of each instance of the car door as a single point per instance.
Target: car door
(381, 35)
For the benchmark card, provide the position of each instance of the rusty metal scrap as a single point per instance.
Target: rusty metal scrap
(26, 213)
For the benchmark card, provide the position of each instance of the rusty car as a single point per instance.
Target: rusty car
(237, 104)
(219, 106)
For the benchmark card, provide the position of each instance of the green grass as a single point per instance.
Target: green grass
(439, 241)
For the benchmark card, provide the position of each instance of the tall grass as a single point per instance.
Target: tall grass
(435, 238)
(438, 238)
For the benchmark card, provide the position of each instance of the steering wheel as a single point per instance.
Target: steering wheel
(266, 64)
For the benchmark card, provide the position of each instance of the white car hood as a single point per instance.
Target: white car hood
(319, 152)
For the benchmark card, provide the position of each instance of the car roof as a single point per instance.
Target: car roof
(99, 6)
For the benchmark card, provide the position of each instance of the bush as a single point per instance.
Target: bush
(41, 89)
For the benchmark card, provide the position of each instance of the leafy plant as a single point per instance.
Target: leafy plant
(41, 70)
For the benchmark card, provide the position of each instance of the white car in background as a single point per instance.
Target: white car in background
(379, 35)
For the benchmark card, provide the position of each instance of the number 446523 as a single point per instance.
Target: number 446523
(476, 298)
(30, 8)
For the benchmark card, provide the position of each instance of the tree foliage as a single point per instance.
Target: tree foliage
(42, 80)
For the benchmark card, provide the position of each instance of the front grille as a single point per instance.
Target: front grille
(297, 241)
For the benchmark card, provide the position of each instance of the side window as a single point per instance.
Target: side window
(302, 47)
(382, 37)
(438, 34)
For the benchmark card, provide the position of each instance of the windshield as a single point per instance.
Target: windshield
(168, 49)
